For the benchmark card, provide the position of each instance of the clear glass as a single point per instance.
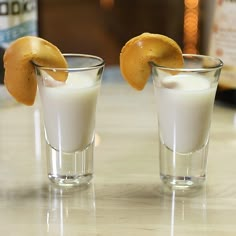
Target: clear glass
(185, 99)
(69, 111)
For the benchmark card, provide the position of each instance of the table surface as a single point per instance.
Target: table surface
(126, 196)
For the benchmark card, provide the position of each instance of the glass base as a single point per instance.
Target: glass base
(182, 182)
(183, 170)
(70, 169)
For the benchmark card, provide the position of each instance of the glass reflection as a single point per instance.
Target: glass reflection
(71, 211)
(186, 211)
(37, 134)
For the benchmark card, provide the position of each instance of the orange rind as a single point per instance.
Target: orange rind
(19, 59)
(138, 52)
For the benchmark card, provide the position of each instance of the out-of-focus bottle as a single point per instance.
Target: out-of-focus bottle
(17, 18)
(223, 45)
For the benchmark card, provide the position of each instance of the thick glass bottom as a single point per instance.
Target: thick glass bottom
(182, 182)
(70, 169)
(183, 170)
(68, 180)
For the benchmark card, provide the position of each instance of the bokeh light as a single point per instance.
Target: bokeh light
(191, 19)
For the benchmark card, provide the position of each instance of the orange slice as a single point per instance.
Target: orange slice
(139, 51)
(20, 77)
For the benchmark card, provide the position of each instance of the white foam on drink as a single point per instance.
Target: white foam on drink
(186, 82)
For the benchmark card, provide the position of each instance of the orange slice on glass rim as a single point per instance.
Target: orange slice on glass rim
(139, 51)
(20, 78)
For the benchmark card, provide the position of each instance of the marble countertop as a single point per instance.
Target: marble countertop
(126, 195)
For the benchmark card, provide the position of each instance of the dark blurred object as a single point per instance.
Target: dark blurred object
(228, 97)
(130, 18)
(102, 27)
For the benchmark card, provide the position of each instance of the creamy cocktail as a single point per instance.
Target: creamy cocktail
(185, 104)
(69, 110)
(68, 86)
(185, 87)
(185, 98)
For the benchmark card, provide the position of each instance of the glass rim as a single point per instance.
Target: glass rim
(97, 65)
(219, 64)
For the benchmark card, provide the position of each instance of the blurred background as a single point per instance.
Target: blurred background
(102, 27)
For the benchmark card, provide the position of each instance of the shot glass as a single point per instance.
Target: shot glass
(69, 111)
(185, 99)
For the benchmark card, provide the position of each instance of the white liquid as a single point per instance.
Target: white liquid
(185, 105)
(69, 112)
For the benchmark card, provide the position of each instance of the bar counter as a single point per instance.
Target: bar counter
(126, 196)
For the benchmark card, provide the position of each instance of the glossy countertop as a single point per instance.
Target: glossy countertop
(126, 196)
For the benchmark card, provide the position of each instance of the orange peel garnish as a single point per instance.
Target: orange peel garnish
(139, 51)
(20, 78)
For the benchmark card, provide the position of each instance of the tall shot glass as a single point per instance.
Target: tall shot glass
(185, 99)
(69, 111)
